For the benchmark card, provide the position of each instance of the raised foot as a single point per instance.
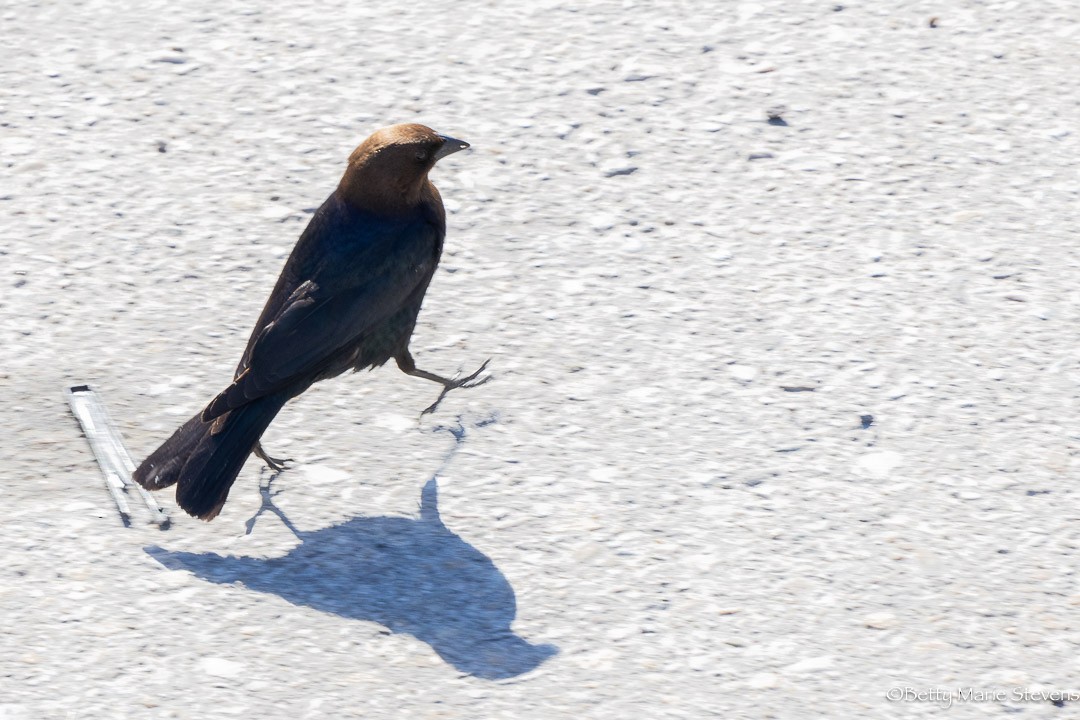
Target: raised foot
(275, 464)
(469, 381)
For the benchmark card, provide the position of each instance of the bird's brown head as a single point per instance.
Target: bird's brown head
(388, 172)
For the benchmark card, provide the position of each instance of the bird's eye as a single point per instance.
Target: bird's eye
(421, 155)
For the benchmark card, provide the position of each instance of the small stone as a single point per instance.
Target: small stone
(395, 422)
(878, 465)
(699, 663)
(587, 552)
(763, 681)
(171, 58)
(220, 667)
(622, 632)
(811, 664)
(880, 620)
(323, 475)
(743, 373)
(13, 146)
(603, 474)
(644, 393)
(748, 10)
(602, 222)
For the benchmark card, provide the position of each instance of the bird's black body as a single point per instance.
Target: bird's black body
(347, 298)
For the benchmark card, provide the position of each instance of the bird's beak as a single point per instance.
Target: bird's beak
(449, 147)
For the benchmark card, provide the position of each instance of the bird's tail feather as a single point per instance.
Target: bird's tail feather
(204, 458)
(162, 468)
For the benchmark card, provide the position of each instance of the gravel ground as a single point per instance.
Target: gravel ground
(784, 413)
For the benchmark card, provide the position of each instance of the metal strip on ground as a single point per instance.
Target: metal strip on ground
(112, 456)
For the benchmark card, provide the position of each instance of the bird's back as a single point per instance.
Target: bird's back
(346, 246)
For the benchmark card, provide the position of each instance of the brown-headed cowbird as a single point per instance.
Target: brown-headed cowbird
(347, 298)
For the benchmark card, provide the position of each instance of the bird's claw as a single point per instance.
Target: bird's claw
(469, 381)
(275, 464)
(278, 464)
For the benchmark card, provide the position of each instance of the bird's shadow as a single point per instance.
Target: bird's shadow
(412, 576)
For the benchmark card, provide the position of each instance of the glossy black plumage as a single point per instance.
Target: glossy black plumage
(347, 298)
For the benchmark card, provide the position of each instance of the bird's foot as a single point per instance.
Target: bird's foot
(469, 381)
(275, 464)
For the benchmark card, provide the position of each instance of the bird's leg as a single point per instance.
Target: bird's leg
(408, 366)
(275, 464)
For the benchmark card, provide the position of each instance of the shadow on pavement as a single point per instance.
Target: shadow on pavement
(411, 575)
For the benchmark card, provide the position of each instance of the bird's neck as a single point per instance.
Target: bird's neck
(365, 188)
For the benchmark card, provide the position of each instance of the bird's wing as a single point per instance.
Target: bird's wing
(319, 319)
